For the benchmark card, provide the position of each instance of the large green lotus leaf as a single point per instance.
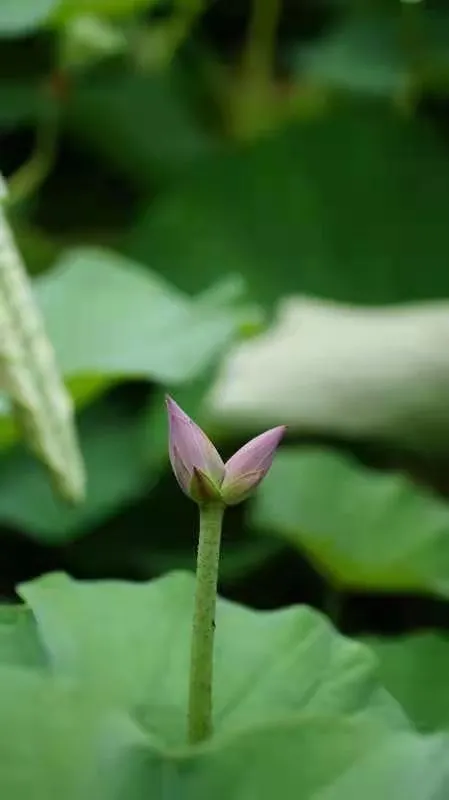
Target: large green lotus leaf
(415, 670)
(298, 709)
(19, 640)
(57, 741)
(335, 758)
(49, 736)
(106, 315)
(362, 529)
(348, 206)
(127, 645)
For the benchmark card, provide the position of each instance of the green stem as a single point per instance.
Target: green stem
(253, 106)
(29, 177)
(201, 664)
(183, 21)
(415, 50)
(261, 42)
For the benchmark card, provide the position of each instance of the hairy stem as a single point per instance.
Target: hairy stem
(202, 652)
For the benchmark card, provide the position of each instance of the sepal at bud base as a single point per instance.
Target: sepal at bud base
(237, 491)
(203, 489)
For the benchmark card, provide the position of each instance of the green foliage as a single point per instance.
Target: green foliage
(61, 743)
(344, 226)
(24, 16)
(363, 53)
(110, 317)
(19, 642)
(171, 166)
(364, 530)
(21, 16)
(129, 645)
(374, 52)
(414, 669)
(115, 682)
(66, 9)
(117, 464)
(167, 138)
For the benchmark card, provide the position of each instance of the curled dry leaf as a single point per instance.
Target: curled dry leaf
(336, 369)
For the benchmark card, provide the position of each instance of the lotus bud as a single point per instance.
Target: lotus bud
(199, 468)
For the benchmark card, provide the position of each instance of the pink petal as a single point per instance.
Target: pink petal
(182, 474)
(254, 457)
(189, 447)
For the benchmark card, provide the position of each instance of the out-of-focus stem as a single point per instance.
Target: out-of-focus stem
(253, 104)
(259, 54)
(29, 177)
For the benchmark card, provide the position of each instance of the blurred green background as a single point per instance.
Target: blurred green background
(178, 168)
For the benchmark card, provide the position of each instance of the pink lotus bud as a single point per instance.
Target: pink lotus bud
(249, 465)
(199, 469)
